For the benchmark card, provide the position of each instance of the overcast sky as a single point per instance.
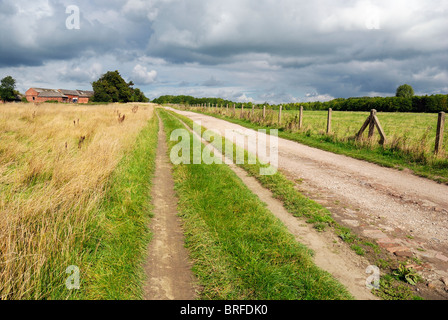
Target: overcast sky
(244, 50)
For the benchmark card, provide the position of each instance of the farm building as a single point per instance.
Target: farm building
(84, 96)
(42, 95)
(72, 95)
(60, 95)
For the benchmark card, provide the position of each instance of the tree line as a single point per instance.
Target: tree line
(189, 100)
(417, 104)
(404, 101)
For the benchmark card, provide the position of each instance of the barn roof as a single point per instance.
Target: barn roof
(40, 90)
(85, 93)
(49, 93)
(62, 93)
(52, 94)
(69, 92)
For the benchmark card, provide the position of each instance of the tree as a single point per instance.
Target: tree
(139, 96)
(7, 89)
(111, 87)
(405, 91)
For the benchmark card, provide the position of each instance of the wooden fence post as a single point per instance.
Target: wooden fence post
(301, 117)
(242, 111)
(330, 111)
(364, 126)
(280, 115)
(264, 112)
(234, 110)
(380, 129)
(372, 122)
(439, 134)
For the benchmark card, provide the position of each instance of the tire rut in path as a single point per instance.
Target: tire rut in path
(168, 270)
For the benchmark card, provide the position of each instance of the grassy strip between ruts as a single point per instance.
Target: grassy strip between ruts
(111, 266)
(301, 206)
(435, 170)
(239, 249)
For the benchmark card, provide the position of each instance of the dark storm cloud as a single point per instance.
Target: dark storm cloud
(212, 82)
(267, 49)
(341, 48)
(38, 34)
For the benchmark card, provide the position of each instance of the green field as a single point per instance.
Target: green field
(415, 130)
(412, 130)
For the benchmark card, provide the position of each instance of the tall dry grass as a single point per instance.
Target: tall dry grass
(55, 161)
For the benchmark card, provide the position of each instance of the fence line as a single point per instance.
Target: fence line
(372, 121)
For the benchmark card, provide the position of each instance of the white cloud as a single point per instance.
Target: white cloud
(432, 73)
(142, 8)
(244, 98)
(313, 97)
(141, 75)
(80, 72)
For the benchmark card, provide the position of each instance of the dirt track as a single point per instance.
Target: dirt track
(168, 270)
(402, 212)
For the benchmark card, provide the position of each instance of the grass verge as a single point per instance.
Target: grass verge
(117, 246)
(239, 249)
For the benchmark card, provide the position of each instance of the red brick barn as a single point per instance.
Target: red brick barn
(43, 95)
(72, 95)
(85, 96)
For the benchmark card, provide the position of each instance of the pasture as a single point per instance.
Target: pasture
(408, 131)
